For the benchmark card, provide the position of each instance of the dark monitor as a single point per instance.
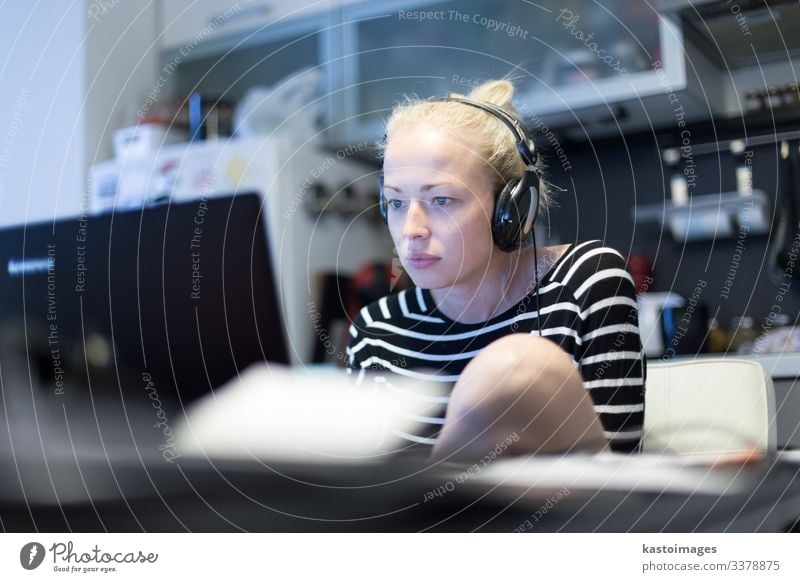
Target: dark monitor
(180, 296)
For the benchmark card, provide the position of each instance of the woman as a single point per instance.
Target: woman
(542, 345)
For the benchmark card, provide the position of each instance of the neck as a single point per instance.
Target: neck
(507, 279)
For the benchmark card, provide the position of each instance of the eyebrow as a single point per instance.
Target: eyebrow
(424, 188)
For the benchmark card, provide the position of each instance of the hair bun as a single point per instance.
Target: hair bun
(499, 93)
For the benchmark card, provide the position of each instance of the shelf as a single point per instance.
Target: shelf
(710, 215)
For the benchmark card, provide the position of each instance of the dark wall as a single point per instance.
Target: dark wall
(607, 178)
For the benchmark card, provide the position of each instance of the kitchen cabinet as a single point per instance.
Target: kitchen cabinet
(223, 49)
(571, 62)
(186, 25)
(228, 75)
(564, 58)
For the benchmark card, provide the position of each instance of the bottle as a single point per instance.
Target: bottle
(744, 167)
(678, 186)
(640, 266)
(718, 338)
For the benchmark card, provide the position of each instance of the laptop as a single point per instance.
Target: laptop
(111, 325)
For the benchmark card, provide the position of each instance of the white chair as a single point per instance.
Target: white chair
(708, 406)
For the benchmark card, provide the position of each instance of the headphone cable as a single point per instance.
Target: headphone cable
(536, 282)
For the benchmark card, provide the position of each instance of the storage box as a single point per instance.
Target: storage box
(146, 138)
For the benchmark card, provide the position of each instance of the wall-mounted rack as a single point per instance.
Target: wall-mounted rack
(744, 212)
(746, 142)
(706, 216)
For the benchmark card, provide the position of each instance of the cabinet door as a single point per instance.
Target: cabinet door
(230, 74)
(188, 24)
(561, 55)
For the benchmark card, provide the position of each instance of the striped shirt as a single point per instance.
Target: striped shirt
(587, 306)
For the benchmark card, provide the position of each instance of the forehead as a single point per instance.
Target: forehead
(427, 150)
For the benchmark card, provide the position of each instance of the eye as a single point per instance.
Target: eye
(441, 201)
(395, 204)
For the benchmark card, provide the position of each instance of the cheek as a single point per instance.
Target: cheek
(470, 240)
(465, 230)
(395, 231)
(478, 228)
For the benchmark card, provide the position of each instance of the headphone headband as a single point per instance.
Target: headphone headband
(525, 146)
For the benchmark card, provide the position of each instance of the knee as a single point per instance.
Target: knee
(519, 363)
(523, 385)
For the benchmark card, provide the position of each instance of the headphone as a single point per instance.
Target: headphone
(517, 204)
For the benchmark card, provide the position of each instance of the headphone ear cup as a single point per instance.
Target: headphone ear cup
(506, 220)
(515, 211)
(532, 185)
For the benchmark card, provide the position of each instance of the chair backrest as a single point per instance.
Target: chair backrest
(709, 406)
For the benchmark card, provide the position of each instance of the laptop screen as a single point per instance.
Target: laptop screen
(181, 296)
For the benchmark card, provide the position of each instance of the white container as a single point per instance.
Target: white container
(145, 139)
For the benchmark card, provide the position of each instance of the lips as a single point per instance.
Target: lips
(421, 260)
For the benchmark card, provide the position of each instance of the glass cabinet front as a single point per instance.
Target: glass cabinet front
(561, 55)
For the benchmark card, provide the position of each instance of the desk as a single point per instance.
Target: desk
(128, 495)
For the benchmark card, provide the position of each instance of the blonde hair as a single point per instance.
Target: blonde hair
(496, 143)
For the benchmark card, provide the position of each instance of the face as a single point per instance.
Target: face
(440, 201)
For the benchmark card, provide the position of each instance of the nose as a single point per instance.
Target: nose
(416, 223)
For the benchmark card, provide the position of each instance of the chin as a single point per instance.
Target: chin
(429, 280)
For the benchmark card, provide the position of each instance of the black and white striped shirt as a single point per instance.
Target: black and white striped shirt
(587, 305)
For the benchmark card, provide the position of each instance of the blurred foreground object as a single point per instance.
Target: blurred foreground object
(306, 415)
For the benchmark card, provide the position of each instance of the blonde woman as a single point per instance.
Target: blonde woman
(540, 345)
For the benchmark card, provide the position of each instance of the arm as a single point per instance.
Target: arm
(611, 361)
